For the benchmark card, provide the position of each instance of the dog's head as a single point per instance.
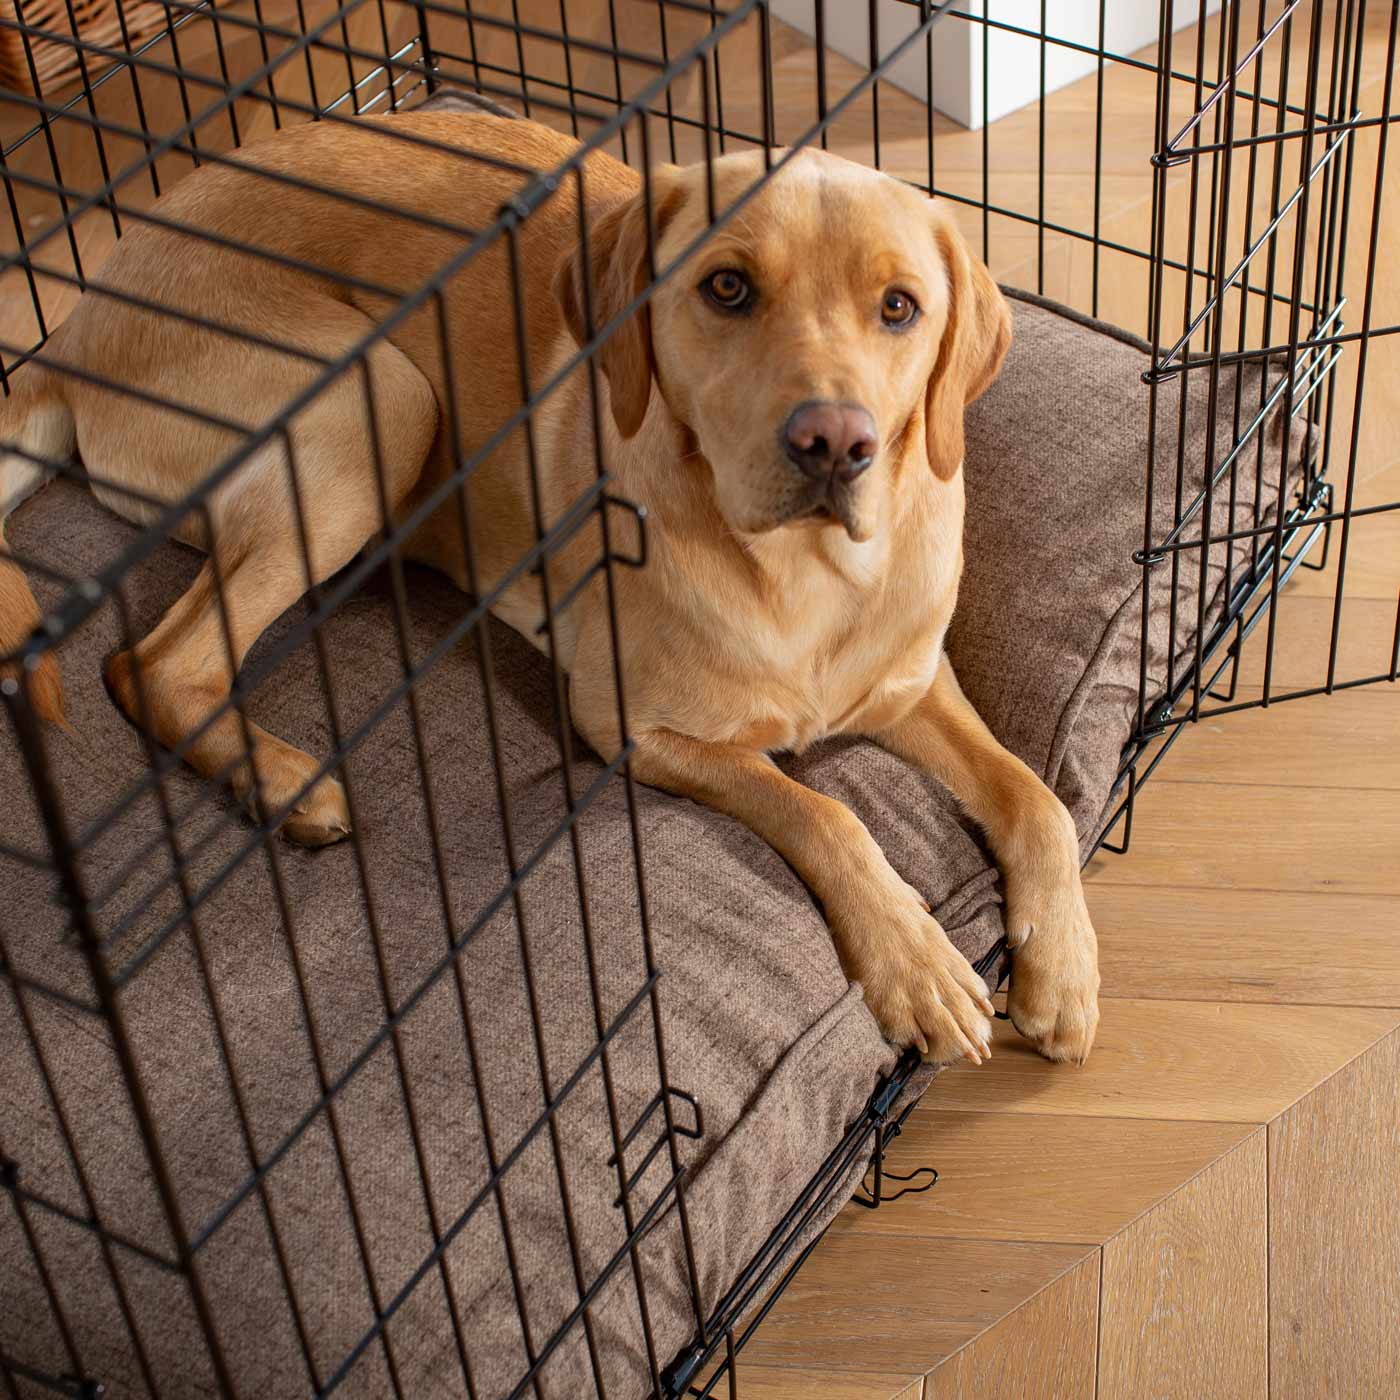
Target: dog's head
(809, 344)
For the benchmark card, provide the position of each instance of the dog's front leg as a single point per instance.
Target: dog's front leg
(1053, 999)
(921, 989)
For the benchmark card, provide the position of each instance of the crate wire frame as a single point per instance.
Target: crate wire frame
(1228, 114)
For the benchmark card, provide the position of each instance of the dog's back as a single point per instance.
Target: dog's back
(300, 233)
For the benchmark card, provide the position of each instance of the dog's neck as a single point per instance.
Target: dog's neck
(793, 557)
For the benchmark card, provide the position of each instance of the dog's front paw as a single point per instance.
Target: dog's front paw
(1054, 997)
(921, 990)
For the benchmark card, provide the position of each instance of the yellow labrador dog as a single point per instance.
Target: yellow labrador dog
(789, 408)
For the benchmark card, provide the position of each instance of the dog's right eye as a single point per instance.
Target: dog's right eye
(727, 289)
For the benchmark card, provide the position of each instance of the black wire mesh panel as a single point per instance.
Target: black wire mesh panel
(1265, 137)
(200, 1259)
(182, 1185)
(1269, 152)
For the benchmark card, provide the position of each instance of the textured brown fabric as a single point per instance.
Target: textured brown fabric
(448, 99)
(759, 1023)
(1045, 638)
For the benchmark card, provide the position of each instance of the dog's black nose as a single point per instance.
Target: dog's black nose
(830, 439)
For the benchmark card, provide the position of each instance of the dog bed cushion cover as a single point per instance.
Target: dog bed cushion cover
(272, 969)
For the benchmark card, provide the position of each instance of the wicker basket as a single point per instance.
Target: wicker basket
(56, 59)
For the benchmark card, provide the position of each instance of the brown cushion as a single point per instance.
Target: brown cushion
(760, 1025)
(1045, 638)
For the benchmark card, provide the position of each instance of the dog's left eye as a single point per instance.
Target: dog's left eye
(728, 289)
(898, 309)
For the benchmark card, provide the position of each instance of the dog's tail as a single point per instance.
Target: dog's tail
(36, 427)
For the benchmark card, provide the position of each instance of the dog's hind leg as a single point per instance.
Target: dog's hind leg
(178, 679)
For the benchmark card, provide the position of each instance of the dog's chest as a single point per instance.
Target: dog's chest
(849, 653)
(865, 683)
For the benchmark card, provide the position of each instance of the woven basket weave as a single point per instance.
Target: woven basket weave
(56, 59)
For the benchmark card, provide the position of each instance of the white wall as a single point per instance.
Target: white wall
(1013, 61)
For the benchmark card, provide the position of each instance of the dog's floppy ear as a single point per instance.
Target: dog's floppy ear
(617, 273)
(975, 342)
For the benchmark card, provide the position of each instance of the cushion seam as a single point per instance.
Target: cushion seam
(1074, 704)
(951, 903)
(1079, 318)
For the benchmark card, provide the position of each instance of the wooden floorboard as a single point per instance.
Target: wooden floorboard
(1225, 836)
(758, 1382)
(1227, 1062)
(1040, 1177)
(1203, 943)
(1047, 1348)
(1185, 1290)
(1334, 1269)
(873, 1302)
(1329, 741)
(1303, 640)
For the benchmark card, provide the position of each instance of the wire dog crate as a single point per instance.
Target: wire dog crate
(1264, 137)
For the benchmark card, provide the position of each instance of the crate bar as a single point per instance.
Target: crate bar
(1365, 334)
